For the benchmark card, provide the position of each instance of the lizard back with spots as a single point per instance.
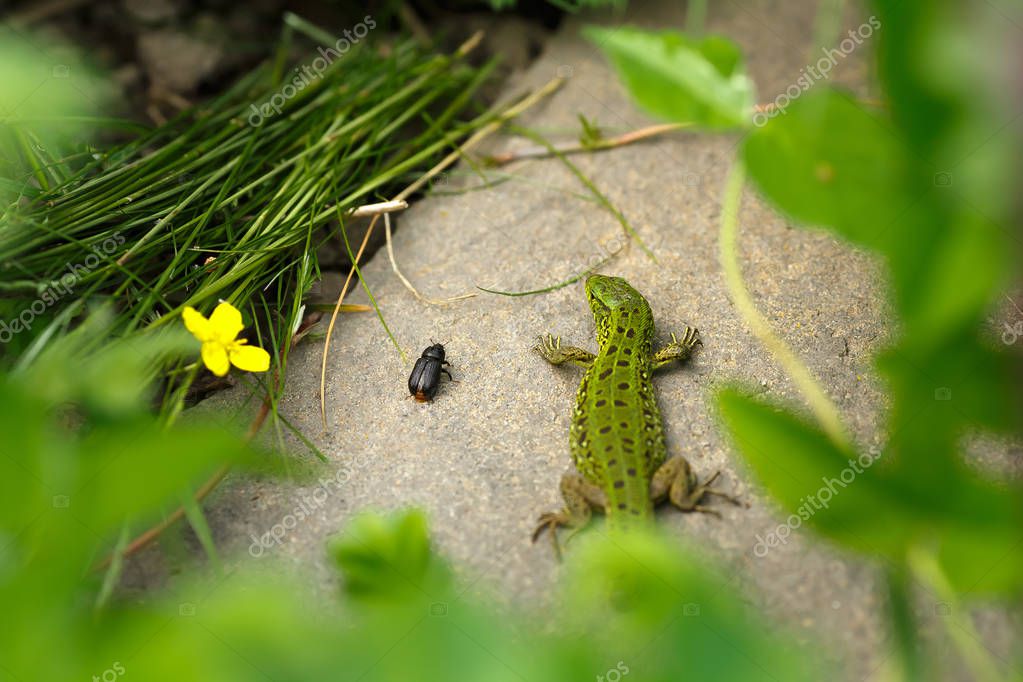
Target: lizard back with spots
(617, 437)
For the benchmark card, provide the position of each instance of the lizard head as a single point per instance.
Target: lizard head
(614, 298)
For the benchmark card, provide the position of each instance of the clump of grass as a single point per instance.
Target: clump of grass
(210, 206)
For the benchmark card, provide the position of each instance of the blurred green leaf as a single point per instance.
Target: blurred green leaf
(197, 520)
(974, 525)
(42, 79)
(147, 467)
(47, 107)
(795, 461)
(962, 383)
(105, 377)
(678, 78)
(952, 94)
(827, 161)
(387, 557)
(952, 98)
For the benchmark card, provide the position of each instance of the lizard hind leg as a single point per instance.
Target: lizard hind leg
(580, 497)
(676, 481)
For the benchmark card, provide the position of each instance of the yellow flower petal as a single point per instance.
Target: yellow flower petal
(214, 356)
(226, 322)
(250, 358)
(197, 324)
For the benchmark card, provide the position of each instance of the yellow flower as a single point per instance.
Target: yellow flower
(220, 346)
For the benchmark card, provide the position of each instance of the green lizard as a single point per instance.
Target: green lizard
(617, 439)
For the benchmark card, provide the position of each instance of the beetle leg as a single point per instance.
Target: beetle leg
(678, 350)
(444, 371)
(552, 351)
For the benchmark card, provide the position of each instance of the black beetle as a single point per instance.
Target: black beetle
(425, 377)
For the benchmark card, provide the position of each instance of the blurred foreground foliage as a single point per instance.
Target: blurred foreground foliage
(927, 181)
(85, 463)
(917, 181)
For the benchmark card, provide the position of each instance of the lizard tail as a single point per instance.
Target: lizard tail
(628, 504)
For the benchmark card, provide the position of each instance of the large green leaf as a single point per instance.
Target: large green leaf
(974, 526)
(825, 160)
(678, 78)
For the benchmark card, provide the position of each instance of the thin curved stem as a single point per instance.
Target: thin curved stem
(408, 284)
(958, 624)
(821, 406)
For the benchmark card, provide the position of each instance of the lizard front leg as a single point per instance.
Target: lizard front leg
(676, 481)
(678, 350)
(552, 351)
(580, 496)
